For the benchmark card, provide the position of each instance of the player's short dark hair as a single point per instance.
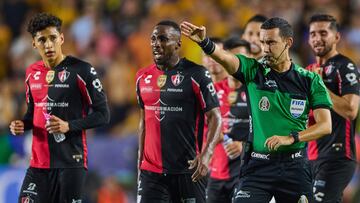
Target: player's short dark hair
(41, 21)
(257, 19)
(216, 40)
(171, 24)
(282, 24)
(325, 18)
(234, 42)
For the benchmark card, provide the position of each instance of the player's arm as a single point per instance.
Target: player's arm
(141, 133)
(346, 106)
(198, 34)
(320, 128)
(97, 100)
(201, 162)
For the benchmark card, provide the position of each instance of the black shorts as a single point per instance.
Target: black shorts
(330, 179)
(221, 190)
(53, 185)
(286, 176)
(174, 188)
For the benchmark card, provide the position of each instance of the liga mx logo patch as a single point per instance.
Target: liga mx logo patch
(177, 79)
(297, 107)
(63, 75)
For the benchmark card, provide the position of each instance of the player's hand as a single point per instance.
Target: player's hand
(16, 127)
(274, 142)
(193, 32)
(234, 149)
(56, 125)
(201, 164)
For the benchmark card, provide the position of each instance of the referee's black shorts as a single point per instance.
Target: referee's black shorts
(63, 185)
(165, 188)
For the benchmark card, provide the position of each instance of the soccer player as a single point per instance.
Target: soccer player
(60, 91)
(280, 94)
(174, 95)
(252, 35)
(226, 161)
(333, 157)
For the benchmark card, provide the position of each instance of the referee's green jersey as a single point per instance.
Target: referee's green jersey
(279, 103)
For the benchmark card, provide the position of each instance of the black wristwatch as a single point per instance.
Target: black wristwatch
(295, 135)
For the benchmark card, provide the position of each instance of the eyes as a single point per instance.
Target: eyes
(321, 33)
(52, 38)
(161, 38)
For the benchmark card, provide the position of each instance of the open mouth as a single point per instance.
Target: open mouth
(50, 53)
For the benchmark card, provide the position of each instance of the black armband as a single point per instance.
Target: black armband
(295, 135)
(207, 46)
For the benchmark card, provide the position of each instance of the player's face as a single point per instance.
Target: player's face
(273, 45)
(252, 35)
(48, 42)
(214, 67)
(322, 39)
(165, 44)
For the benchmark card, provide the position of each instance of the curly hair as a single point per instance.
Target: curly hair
(41, 21)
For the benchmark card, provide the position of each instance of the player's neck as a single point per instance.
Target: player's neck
(54, 63)
(322, 60)
(169, 65)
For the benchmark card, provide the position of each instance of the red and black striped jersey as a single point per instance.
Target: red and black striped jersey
(69, 91)
(174, 102)
(340, 76)
(235, 123)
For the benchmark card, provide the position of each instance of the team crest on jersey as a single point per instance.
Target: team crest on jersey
(50, 76)
(161, 80)
(232, 97)
(297, 107)
(63, 75)
(243, 96)
(328, 69)
(27, 200)
(177, 79)
(264, 104)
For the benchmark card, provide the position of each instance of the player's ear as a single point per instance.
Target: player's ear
(178, 44)
(33, 44)
(337, 37)
(289, 42)
(62, 38)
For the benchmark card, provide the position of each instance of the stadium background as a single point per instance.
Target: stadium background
(114, 36)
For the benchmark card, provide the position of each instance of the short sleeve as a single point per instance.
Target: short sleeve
(319, 96)
(247, 70)
(349, 79)
(204, 89)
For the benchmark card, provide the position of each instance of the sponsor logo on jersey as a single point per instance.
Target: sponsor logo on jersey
(48, 103)
(161, 80)
(328, 69)
(50, 76)
(232, 97)
(270, 84)
(242, 194)
(177, 79)
(63, 75)
(35, 86)
(297, 107)
(77, 157)
(61, 86)
(264, 104)
(161, 108)
(146, 89)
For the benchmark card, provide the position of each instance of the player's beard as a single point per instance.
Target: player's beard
(326, 50)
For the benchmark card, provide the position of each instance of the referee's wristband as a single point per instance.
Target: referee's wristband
(295, 135)
(207, 46)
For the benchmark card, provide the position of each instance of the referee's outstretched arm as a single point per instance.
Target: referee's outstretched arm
(198, 34)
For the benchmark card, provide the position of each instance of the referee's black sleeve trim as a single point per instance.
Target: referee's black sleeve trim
(321, 106)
